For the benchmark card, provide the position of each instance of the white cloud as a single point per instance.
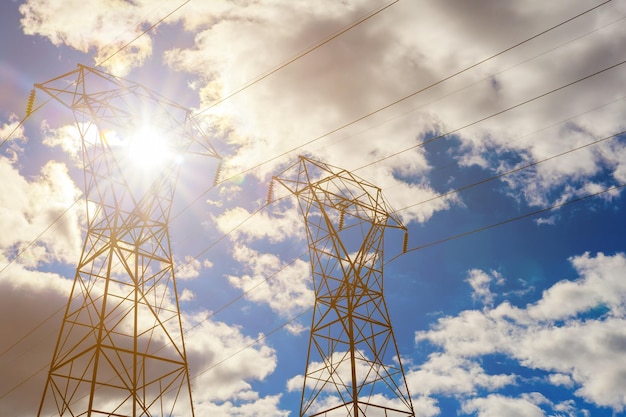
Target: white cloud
(12, 134)
(30, 207)
(449, 374)
(600, 284)
(285, 288)
(554, 335)
(425, 407)
(561, 379)
(189, 268)
(265, 406)
(30, 316)
(480, 282)
(67, 137)
(275, 226)
(497, 405)
(103, 25)
(219, 355)
(223, 358)
(186, 295)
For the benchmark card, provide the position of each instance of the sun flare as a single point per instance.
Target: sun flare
(146, 150)
(149, 149)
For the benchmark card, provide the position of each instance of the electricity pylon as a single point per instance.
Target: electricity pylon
(120, 349)
(353, 364)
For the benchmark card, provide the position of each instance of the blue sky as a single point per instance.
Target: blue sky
(524, 319)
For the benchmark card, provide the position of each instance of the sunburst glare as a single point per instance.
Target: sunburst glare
(150, 149)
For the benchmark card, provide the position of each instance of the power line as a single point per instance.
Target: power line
(420, 144)
(389, 156)
(425, 142)
(560, 122)
(488, 77)
(510, 220)
(514, 170)
(391, 260)
(32, 242)
(389, 105)
(491, 226)
(300, 55)
(126, 45)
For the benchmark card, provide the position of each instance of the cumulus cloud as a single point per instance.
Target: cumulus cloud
(12, 134)
(386, 55)
(67, 138)
(189, 268)
(37, 299)
(104, 26)
(223, 362)
(219, 355)
(46, 210)
(498, 405)
(395, 54)
(450, 374)
(558, 334)
(480, 282)
(275, 226)
(285, 287)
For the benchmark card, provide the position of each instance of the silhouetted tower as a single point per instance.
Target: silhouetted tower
(353, 365)
(120, 350)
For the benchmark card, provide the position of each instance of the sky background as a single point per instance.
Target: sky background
(527, 318)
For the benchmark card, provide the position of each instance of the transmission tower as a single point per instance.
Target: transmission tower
(120, 350)
(353, 365)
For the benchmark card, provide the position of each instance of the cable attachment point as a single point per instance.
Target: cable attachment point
(405, 244)
(31, 102)
(218, 172)
(270, 191)
(341, 219)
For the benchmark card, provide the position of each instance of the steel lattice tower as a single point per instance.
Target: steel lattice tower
(120, 350)
(353, 365)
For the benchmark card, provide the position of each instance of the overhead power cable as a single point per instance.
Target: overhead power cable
(486, 78)
(32, 242)
(569, 202)
(400, 100)
(425, 142)
(422, 144)
(250, 289)
(492, 226)
(510, 220)
(514, 170)
(154, 25)
(300, 55)
(126, 45)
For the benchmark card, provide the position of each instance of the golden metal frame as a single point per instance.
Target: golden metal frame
(120, 349)
(353, 364)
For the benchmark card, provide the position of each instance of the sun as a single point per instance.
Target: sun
(146, 151)
(149, 150)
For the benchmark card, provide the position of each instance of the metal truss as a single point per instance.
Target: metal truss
(353, 364)
(120, 350)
